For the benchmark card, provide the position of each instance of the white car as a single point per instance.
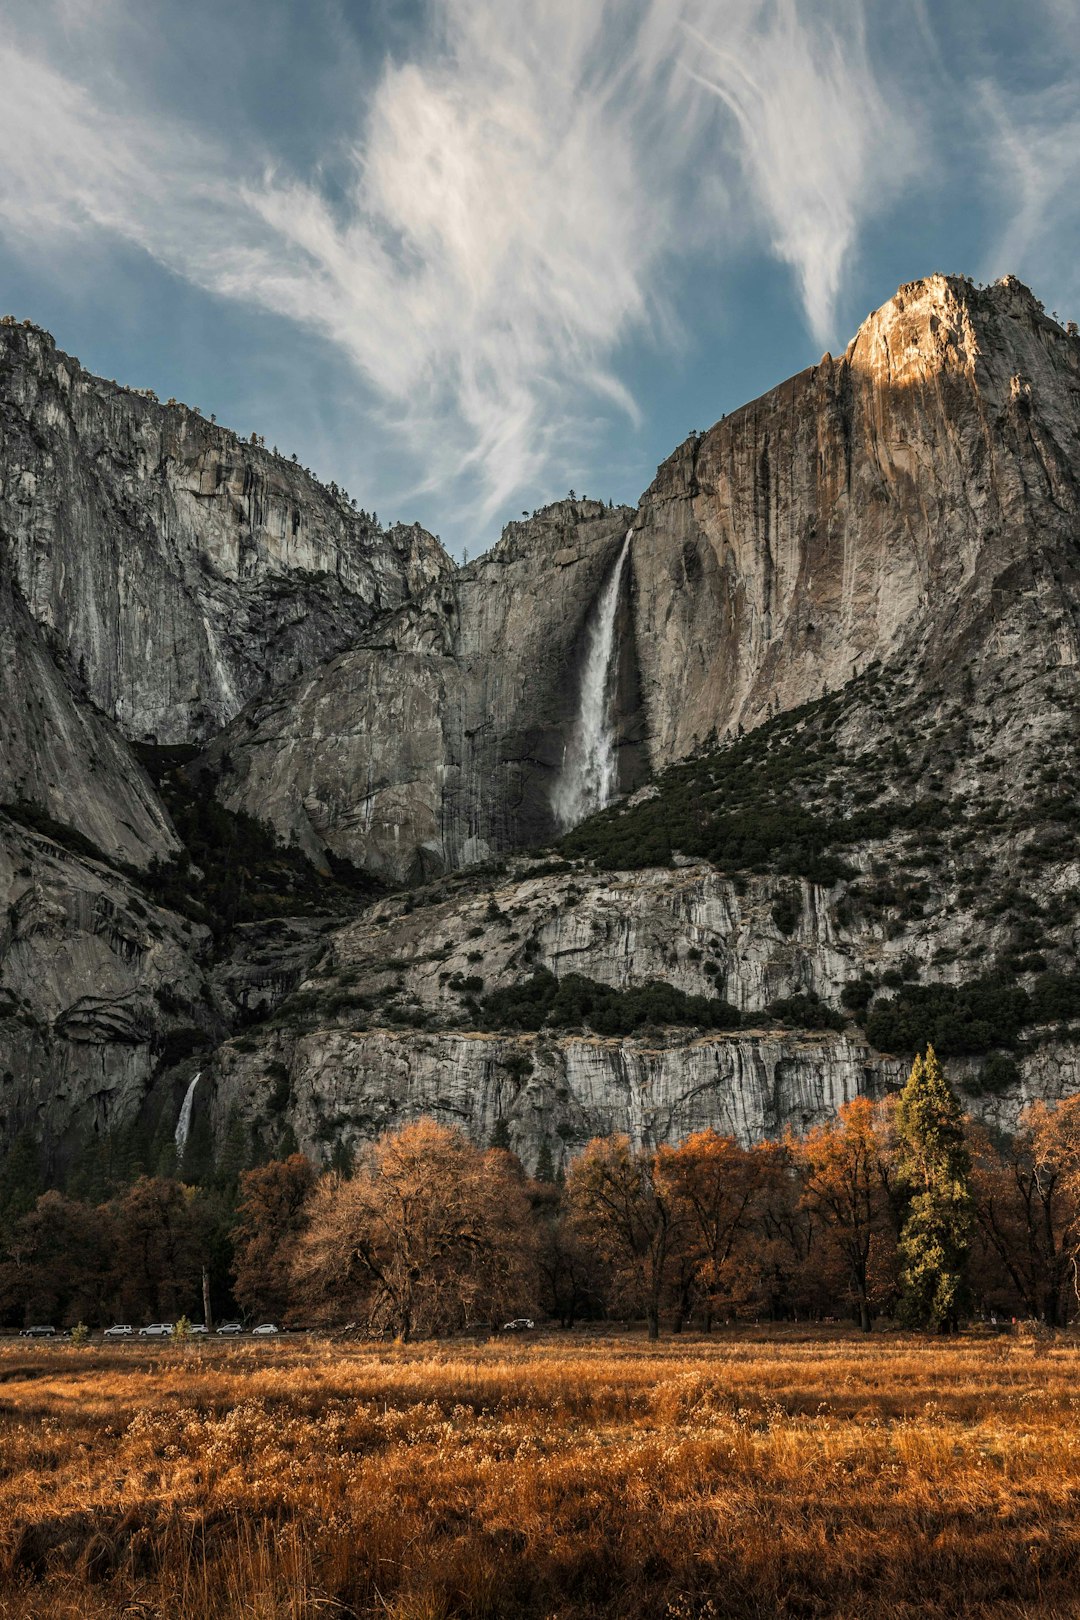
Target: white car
(520, 1324)
(197, 1327)
(156, 1330)
(266, 1327)
(119, 1330)
(229, 1327)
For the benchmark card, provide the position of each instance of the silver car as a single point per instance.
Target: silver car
(119, 1330)
(156, 1330)
(265, 1328)
(230, 1327)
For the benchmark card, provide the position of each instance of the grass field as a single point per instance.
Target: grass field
(754, 1474)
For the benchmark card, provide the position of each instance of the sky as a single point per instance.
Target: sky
(463, 256)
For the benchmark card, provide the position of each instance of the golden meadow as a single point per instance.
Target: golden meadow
(749, 1473)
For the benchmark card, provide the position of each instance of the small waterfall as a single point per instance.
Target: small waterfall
(183, 1123)
(588, 776)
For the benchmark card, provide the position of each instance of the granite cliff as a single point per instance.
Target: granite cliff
(838, 694)
(179, 568)
(883, 505)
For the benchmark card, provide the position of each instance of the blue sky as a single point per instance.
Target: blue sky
(465, 255)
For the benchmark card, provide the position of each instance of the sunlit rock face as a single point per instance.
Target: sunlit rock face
(879, 505)
(181, 569)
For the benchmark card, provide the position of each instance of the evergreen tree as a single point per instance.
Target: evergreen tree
(20, 1179)
(500, 1135)
(545, 1165)
(934, 1167)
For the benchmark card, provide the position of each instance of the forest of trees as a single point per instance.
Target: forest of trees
(902, 1209)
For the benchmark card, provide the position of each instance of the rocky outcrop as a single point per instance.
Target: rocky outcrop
(59, 755)
(181, 570)
(437, 742)
(345, 1087)
(756, 940)
(99, 991)
(876, 506)
(898, 525)
(895, 504)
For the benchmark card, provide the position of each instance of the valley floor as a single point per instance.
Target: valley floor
(754, 1473)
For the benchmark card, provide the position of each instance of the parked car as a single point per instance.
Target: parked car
(266, 1327)
(230, 1327)
(119, 1330)
(38, 1333)
(156, 1330)
(197, 1327)
(520, 1324)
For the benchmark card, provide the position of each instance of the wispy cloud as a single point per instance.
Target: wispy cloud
(1030, 134)
(819, 143)
(518, 194)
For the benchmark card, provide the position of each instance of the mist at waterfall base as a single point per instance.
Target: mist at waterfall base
(588, 777)
(183, 1122)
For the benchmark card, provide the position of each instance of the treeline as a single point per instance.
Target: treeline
(902, 1209)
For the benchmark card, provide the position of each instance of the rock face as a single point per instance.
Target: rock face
(99, 989)
(899, 526)
(345, 1087)
(60, 754)
(181, 569)
(353, 1070)
(437, 742)
(873, 507)
(880, 506)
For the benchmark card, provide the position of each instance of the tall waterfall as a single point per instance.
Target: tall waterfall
(587, 779)
(183, 1123)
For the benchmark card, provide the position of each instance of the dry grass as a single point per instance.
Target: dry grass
(762, 1474)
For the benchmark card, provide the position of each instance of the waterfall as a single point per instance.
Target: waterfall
(183, 1123)
(587, 779)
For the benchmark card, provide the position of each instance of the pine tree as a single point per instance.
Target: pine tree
(545, 1165)
(500, 1135)
(934, 1167)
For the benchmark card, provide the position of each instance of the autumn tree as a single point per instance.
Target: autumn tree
(779, 1266)
(429, 1234)
(161, 1244)
(845, 1166)
(1027, 1205)
(56, 1265)
(570, 1274)
(711, 1183)
(270, 1216)
(934, 1168)
(622, 1209)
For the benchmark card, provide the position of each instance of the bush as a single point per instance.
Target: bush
(806, 1012)
(999, 1073)
(954, 1019)
(787, 909)
(543, 1001)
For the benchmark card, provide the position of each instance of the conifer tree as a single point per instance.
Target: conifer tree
(934, 1166)
(545, 1165)
(500, 1135)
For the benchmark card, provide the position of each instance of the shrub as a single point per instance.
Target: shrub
(543, 1001)
(806, 1012)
